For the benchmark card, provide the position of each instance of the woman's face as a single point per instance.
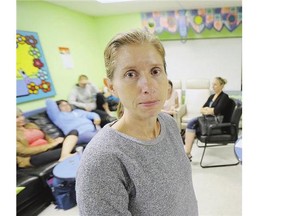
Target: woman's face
(140, 80)
(20, 120)
(217, 87)
(65, 107)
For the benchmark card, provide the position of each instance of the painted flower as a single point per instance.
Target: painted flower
(230, 19)
(209, 18)
(218, 23)
(45, 86)
(33, 88)
(20, 39)
(34, 52)
(30, 40)
(197, 20)
(43, 75)
(37, 63)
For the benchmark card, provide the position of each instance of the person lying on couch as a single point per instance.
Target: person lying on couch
(36, 148)
(62, 115)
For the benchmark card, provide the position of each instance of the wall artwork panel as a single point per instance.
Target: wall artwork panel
(33, 80)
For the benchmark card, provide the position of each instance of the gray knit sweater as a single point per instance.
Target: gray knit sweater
(121, 175)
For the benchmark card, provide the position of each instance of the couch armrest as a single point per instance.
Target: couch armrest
(180, 112)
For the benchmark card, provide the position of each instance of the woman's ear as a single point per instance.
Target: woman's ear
(108, 83)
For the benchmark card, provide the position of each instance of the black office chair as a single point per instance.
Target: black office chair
(229, 134)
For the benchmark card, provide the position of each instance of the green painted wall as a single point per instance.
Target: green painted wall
(85, 36)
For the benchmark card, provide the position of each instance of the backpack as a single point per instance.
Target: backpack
(64, 193)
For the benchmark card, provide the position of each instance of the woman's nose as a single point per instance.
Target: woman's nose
(146, 84)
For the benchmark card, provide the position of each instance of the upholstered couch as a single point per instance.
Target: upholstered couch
(37, 195)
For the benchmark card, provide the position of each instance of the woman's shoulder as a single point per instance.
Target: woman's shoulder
(165, 117)
(100, 145)
(223, 94)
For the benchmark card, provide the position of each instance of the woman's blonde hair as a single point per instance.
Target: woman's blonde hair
(134, 37)
(221, 80)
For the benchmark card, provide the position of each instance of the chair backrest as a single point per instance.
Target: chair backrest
(197, 92)
(177, 86)
(229, 110)
(237, 113)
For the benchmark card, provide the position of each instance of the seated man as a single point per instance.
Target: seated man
(85, 96)
(62, 115)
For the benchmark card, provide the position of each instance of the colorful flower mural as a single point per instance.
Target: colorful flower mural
(197, 20)
(32, 74)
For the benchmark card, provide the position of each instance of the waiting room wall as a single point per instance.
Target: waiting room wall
(206, 58)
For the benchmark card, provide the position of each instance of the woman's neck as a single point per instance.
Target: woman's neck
(140, 129)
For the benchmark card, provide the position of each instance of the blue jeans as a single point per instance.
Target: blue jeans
(192, 125)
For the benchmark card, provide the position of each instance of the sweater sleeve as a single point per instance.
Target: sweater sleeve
(101, 187)
(52, 109)
(94, 89)
(208, 101)
(92, 115)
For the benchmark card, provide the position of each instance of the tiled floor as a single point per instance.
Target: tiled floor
(218, 190)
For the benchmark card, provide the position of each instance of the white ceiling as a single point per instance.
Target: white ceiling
(94, 8)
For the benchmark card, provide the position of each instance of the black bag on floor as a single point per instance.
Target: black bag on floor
(64, 193)
(205, 121)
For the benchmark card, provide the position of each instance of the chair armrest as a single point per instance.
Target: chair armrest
(222, 126)
(180, 112)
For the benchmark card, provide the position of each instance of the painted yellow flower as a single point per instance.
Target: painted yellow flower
(20, 39)
(33, 88)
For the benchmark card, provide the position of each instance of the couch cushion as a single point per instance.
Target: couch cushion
(43, 121)
(34, 198)
(44, 172)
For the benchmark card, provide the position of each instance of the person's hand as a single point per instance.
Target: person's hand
(88, 109)
(97, 121)
(204, 110)
(58, 140)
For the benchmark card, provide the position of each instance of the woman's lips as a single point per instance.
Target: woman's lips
(149, 103)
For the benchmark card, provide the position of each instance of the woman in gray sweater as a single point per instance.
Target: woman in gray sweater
(136, 165)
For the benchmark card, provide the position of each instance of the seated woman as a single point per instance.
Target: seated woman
(216, 104)
(35, 148)
(172, 101)
(61, 114)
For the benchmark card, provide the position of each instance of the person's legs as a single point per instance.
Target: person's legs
(45, 157)
(68, 144)
(85, 138)
(189, 139)
(101, 102)
(103, 116)
(190, 136)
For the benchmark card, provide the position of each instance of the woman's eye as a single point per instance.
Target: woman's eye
(130, 74)
(156, 71)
